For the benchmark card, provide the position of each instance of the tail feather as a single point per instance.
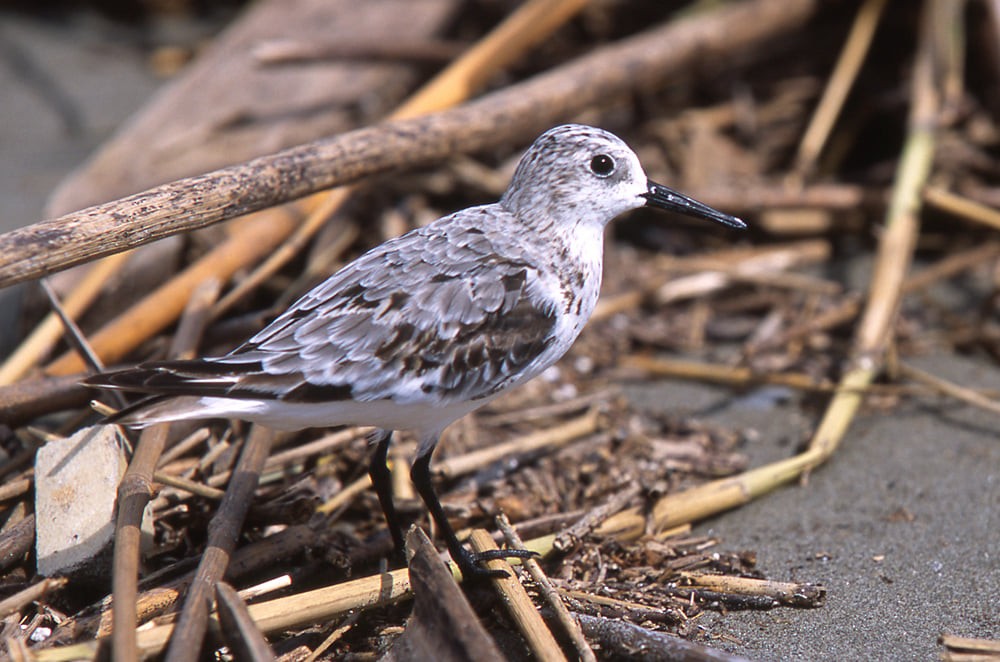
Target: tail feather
(163, 409)
(199, 377)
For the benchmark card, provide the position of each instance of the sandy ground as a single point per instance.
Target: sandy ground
(902, 525)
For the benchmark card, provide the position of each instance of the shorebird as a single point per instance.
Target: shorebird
(431, 325)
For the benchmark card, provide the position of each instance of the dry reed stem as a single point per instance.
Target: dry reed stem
(771, 261)
(190, 486)
(285, 51)
(520, 607)
(12, 489)
(714, 272)
(549, 592)
(561, 408)
(345, 495)
(334, 637)
(895, 252)
(971, 645)
(722, 374)
(616, 603)
(570, 537)
(838, 86)
(223, 534)
(550, 438)
(950, 389)
(136, 487)
(788, 593)
(951, 265)
(892, 260)
(14, 603)
(49, 331)
(962, 207)
(252, 239)
(324, 444)
(74, 335)
(314, 606)
(514, 112)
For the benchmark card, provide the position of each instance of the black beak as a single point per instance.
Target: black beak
(667, 198)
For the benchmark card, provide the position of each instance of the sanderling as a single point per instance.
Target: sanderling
(429, 326)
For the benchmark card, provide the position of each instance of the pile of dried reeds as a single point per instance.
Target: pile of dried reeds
(748, 108)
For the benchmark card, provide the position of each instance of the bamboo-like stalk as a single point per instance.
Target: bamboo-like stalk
(553, 437)
(950, 389)
(520, 607)
(839, 85)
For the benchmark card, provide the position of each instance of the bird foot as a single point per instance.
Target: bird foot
(469, 562)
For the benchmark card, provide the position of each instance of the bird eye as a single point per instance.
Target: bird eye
(602, 165)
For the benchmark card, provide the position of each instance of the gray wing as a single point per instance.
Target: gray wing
(434, 315)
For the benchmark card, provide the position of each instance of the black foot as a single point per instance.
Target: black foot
(469, 562)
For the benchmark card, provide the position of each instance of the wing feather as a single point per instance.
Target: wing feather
(436, 315)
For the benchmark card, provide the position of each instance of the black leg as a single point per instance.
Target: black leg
(382, 481)
(468, 561)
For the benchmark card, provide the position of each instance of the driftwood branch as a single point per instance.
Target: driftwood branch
(514, 113)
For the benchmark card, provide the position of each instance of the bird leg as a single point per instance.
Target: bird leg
(382, 481)
(467, 560)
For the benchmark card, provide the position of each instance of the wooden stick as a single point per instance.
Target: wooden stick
(136, 489)
(522, 610)
(792, 594)
(985, 647)
(570, 537)
(513, 113)
(223, 533)
(549, 592)
(190, 486)
(622, 639)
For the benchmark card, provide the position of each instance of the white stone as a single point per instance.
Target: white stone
(76, 483)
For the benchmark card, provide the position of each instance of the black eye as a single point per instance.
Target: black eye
(602, 165)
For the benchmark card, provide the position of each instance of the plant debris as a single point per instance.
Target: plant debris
(758, 122)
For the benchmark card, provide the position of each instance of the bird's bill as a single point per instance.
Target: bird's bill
(663, 197)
